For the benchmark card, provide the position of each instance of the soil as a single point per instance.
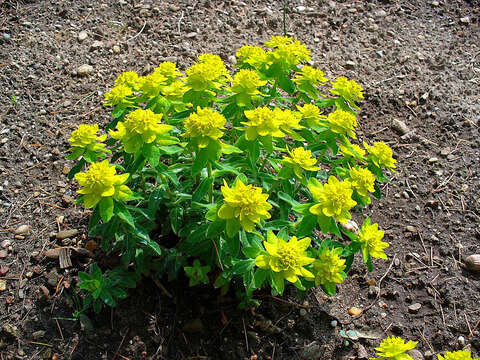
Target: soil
(419, 62)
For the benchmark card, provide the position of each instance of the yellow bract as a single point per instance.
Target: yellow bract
(117, 95)
(287, 259)
(254, 56)
(342, 122)
(457, 355)
(244, 203)
(100, 181)
(334, 197)
(299, 159)
(308, 75)
(362, 181)
(209, 73)
(141, 126)
(168, 70)
(263, 122)
(348, 89)
(370, 239)
(329, 266)
(286, 119)
(310, 114)
(245, 84)
(352, 150)
(85, 137)
(394, 347)
(287, 51)
(128, 78)
(204, 125)
(151, 85)
(381, 154)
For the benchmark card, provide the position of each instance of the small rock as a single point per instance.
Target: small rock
(3, 285)
(96, 45)
(22, 229)
(414, 307)
(3, 270)
(381, 13)
(354, 311)
(461, 341)
(472, 262)
(312, 351)
(173, 7)
(194, 326)
(400, 127)
(428, 355)
(52, 278)
(351, 226)
(361, 352)
(349, 65)
(5, 243)
(191, 35)
(116, 49)
(334, 323)
(445, 151)
(411, 229)
(300, 8)
(465, 20)
(84, 70)
(38, 334)
(435, 3)
(433, 160)
(64, 234)
(303, 312)
(415, 354)
(82, 35)
(6, 36)
(405, 195)
(3, 254)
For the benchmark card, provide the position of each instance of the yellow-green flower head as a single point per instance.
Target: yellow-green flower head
(350, 90)
(209, 73)
(118, 95)
(381, 154)
(204, 125)
(244, 203)
(334, 197)
(370, 239)
(310, 114)
(141, 126)
(99, 181)
(245, 84)
(395, 348)
(286, 258)
(85, 137)
(290, 54)
(300, 159)
(352, 150)
(263, 122)
(151, 85)
(277, 41)
(457, 355)
(168, 70)
(342, 122)
(175, 90)
(254, 56)
(308, 75)
(286, 120)
(328, 267)
(128, 78)
(362, 181)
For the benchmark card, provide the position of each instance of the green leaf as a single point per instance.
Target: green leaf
(288, 199)
(107, 298)
(212, 213)
(176, 218)
(78, 166)
(242, 266)
(230, 149)
(76, 153)
(170, 149)
(200, 162)
(253, 152)
(122, 212)
(152, 153)
(267, 143)
(286, 172)
(325, 223)
(286, 84)
(251, 252)
(303, 208)
(259, 277)
(278, 282)
(306, 226)
(94, 218)
(105, 207)
(202, 189)
(233, 244)
(215, 229)
(119, 111)
(329, 288)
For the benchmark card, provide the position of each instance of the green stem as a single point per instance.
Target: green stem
(285, 18)
(263, 164)
(209, 172)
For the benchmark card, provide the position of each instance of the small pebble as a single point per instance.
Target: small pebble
(461, 341)
(116, 49)
(415, 354)
(303, 312)
(433, 160)
(3, 254)
(414, 307)
(435, 3)
(22, 229)
(349, 65)
(82, 35)
(84, 70)
(400, 127)
(465, 20)
(5, 244)
(191, 35)
(334, 323)
(38, 334)
(3, 285)
(354, 311)
(64, 234)
(3, 270)
(411, 228)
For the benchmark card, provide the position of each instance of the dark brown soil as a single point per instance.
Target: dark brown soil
(419, 62)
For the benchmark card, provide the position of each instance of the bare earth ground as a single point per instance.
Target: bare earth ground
(419, 62)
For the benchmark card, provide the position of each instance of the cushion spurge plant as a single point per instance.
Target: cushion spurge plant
(247, 173)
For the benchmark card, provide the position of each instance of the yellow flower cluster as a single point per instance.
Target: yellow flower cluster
(329, 267)
(362, 181)
(85, 137)
(245, 204)
(168, 70)
(309, 79)
(207, 74)
(287, 121)
(381, 154)
(287, 51)
(299, 159)
(286, 259)
(254, 56)
(350, 90)
(310, 114)
(370, 239)
(245, 84)
(118, 95)
(334, 197)
(141, 126)
(128, 78)
(100, 181)
(262, 122)
(457, 355)
(342, 122)
(204, 126)
(395, 348)
(350, 150)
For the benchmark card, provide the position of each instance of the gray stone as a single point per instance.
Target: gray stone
(465, 20)
(380, 13)
(414, 308)
(38, 334)
(96, 45)
(82, 35)
(400, 127)
(415, 354)
(64, 234)
(411, 228)
(349, 65)
(84, 70)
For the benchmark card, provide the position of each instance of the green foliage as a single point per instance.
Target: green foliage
(229, 176)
